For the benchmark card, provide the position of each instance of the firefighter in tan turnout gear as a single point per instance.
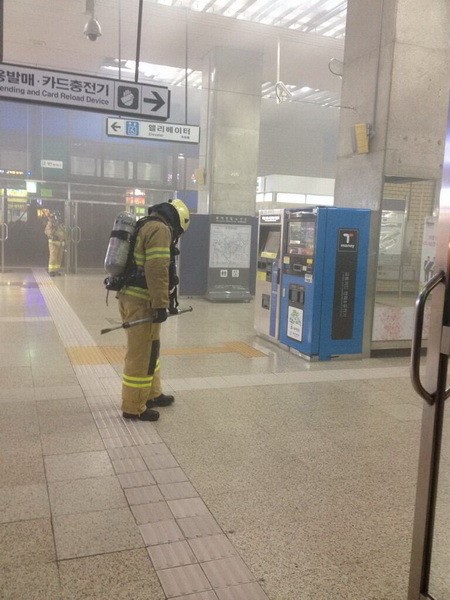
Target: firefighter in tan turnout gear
(147, 293)
(56, 234)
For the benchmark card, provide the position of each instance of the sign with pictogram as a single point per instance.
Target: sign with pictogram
(72, 90)
(168, 132)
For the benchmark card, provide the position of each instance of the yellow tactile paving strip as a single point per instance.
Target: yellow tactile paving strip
(97, 355)
(85, 355)
(244, 349)
(114, 354)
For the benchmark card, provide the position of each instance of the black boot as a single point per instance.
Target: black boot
(147, 415)
(161, 400)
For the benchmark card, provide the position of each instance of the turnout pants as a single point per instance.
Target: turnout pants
(55, 255)
(141, 377)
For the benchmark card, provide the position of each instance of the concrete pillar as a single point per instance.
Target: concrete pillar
(230, 119)
(395, 79)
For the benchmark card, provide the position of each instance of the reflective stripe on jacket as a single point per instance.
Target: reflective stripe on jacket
(152, 254)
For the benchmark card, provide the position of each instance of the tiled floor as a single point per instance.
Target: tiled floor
(271, 478)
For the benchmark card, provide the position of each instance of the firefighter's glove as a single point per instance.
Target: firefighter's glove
(160, 315)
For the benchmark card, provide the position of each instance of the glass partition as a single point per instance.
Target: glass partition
(25, 211)
(405, 258)
(87, 212)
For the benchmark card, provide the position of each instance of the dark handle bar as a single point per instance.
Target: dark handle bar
(129, 324)
(417, 337)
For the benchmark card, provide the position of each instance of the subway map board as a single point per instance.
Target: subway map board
(230, 239)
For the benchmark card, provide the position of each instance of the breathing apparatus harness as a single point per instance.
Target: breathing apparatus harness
(132, 275)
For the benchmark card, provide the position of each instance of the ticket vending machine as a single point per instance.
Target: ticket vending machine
(267, 288)
(323, 281)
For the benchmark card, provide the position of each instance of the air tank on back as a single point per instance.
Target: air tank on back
(119, 244)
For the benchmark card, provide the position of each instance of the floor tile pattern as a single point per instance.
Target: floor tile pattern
(270, 479)
(167, 510)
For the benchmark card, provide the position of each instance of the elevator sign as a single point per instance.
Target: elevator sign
(165, 132)
(72, 90)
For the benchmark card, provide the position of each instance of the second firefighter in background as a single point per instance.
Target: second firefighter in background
(56, 234)
(147, 293)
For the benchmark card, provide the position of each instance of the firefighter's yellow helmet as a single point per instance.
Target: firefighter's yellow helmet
(183, 212)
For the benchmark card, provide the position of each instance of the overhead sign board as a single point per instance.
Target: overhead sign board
(72, 90)
(52, 164)
(168, 132)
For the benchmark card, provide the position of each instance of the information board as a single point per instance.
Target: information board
(229, 246)
(230, 241)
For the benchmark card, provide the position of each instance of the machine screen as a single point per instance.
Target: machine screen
(301, 237)
(272, 245)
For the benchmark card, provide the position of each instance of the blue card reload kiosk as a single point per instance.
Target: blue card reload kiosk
(323, 282)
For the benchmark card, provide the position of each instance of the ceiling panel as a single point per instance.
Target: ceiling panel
(324, 17)
(49, 33)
